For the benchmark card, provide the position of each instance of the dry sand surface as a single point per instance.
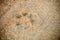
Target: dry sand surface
(29, 19)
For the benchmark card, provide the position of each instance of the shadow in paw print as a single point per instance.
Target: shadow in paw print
(18, 16)
(17, 24)
(23, 26)
(24, 14)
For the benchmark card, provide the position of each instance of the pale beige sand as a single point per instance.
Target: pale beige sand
(29, 19)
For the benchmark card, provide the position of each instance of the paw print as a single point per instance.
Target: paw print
(30, 19)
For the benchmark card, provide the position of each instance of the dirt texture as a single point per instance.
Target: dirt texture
(29, 19)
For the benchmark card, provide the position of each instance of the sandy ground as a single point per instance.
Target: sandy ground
(30, 20)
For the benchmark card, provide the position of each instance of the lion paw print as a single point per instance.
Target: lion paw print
(27, 19)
